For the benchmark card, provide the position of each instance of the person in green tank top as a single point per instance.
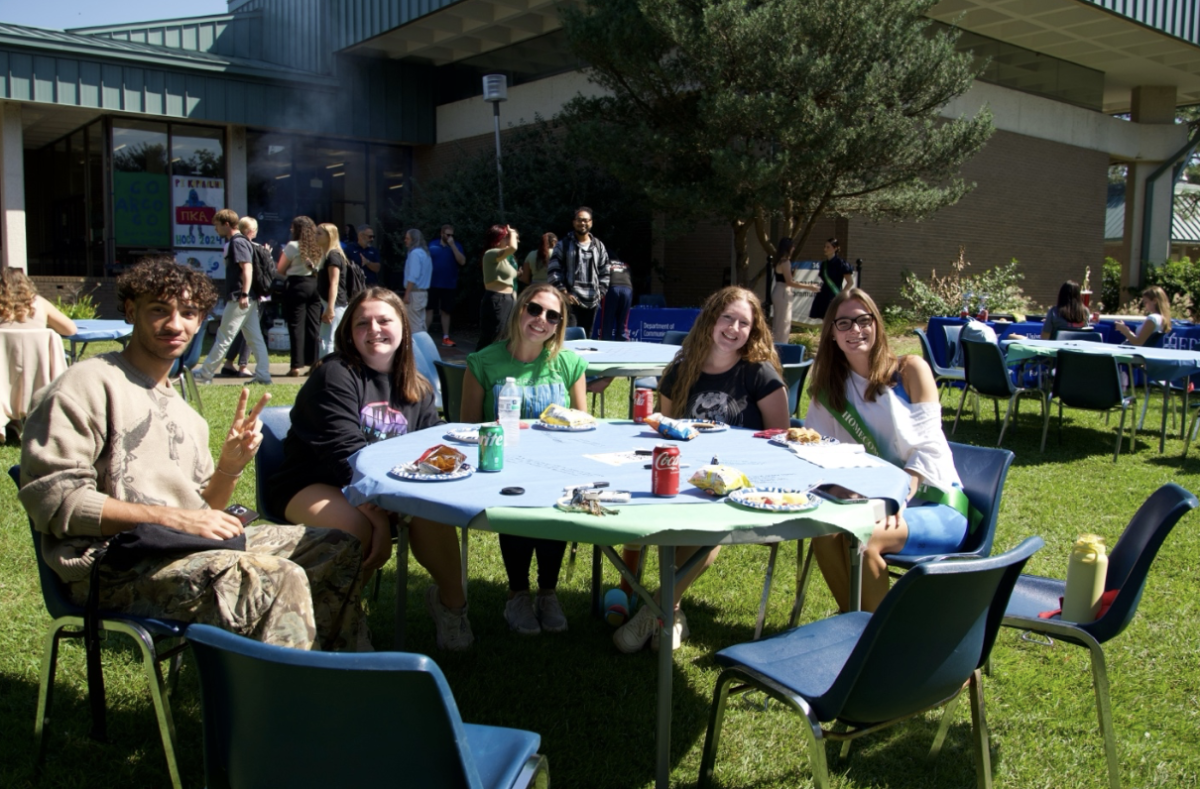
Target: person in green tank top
(499, 277)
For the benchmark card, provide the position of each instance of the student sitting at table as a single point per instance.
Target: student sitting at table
(1157, 307)
(861, 393)
(22, 308)
(1068, 313)
(529, 350)
(369, 390)
(726, 371)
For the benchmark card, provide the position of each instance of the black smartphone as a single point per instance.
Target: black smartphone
(840, 495)
(244, 514)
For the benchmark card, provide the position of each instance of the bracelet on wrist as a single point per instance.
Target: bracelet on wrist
(226, 473)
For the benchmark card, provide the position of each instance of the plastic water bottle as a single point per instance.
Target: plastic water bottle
(508, 408)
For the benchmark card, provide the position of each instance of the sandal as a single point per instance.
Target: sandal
(294, 373)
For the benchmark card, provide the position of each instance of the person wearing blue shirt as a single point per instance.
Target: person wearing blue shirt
(447, 256)
(365, 255)
(418, 271)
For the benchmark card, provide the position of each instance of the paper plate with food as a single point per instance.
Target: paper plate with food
(463, 435)
(774, 499)
(803, 436)
(557, 417)
(436, 464)
(706, 425)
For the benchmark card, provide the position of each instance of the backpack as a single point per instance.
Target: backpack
(262, 274)
(356, 278)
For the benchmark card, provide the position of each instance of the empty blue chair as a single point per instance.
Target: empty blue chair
(576, 333)
(150, 634)
(674, 337)
(929, 638)
(450, 377)
(1128, 567)
(946, 377)
(396, 721)
(1064, 335)
(426, 352)
(987, 375)
(790, 354)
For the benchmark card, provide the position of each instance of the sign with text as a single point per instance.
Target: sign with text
(141, 210)
(650, 324)
(210, 261)
(196, 201)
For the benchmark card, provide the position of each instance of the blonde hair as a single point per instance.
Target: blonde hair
(831, 369)
(690, 359)
(247, 225)
(331, 233)
(512, 329)
(17, 295)
(1162, 304)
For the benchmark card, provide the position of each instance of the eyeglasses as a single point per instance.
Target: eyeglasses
(535, 310)
(862, 322)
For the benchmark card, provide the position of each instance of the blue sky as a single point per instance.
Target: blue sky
(63, 14)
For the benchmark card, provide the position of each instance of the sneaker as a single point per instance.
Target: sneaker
(633, 635)
(453, 628)
(518, 612)
(229, 372)
(201, 376)
(449, 343)
(681, 632)
(550, 613)
(260, 381)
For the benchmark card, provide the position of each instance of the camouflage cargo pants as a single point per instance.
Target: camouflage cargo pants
(293, 586)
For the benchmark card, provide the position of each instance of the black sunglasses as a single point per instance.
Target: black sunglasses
(534, 309)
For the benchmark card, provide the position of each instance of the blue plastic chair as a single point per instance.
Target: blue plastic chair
(983, 471)
(450, 377)
(576, 333)
(795, 375)
(1065, 335)
(149, 633)
(260, 716)
(427, 354)
(1128, 567)
(790, 354)
(946, 377)
(987, 375)
(674, 337)
(930, 636)
(182, 368)
(1091, 382)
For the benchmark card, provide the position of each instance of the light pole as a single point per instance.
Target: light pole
(495, 90)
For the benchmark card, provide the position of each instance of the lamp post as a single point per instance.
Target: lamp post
(495, 90)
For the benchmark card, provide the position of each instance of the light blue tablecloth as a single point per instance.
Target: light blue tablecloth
(603, 355)
(545, 462)
(94, 330)
(1162, 364)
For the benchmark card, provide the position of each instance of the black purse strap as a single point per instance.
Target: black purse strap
(91, 646)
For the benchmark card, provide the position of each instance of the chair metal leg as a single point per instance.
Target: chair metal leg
(961, 401)
(572, 551)
(1104, 711)
(944, 727)
(401, 587)
(716, 717)
(162, 705)
(983, 750)
(1045, 420)
(803, 573)
(46, 688)
(766, 592)
(1007, 412)
(1121, 434)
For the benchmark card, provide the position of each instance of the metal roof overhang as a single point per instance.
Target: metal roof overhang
(1128, 52)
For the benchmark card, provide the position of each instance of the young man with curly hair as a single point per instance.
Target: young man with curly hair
(111, 445)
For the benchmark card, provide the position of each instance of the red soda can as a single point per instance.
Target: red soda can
(643, 405)
(983, 315)
(664, 471)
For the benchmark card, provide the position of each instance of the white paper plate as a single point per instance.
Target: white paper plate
(466, 435)
(742, 497)
(565, 428)
(781, 440)
(408, 473)
(717, 427)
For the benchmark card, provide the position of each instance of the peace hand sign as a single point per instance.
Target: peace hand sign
(244, 436)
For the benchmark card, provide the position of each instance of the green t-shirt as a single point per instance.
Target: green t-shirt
(505, 270)
(543, 382)
(536, 274)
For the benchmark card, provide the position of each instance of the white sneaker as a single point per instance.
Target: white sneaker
(453, 628)
(681, 632)
(201, 376)
(633, 635)
(519, 614)
(550, 614)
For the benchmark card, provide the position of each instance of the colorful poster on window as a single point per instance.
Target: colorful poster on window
(196, 201)
(210, 261)
(141, 210)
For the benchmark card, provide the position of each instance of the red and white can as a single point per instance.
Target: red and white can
(664, 471)
(643, 405)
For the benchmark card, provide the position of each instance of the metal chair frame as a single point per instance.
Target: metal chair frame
(987, 375)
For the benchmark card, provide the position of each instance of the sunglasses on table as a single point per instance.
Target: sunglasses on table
(862, 322)
(535, 310)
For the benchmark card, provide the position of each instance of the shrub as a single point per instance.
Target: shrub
(1179, 278)
(946, 295)
(1110, 288)
(82, 308)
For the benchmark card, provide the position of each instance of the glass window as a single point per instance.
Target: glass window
(196, 150)
(197, 185)
(141, 192)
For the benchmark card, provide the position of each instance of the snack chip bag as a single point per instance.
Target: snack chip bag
(569, 417)
(440, 459)
(672, 428)
(719, 480)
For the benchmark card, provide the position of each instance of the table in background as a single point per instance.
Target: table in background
(546, 461)
(96, 330)
(937, 335)
(650, 324)
(632, 360)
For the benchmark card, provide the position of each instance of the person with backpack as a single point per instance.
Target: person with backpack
(241, 305)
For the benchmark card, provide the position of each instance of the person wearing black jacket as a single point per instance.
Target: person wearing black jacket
(579, 267)
(369, 390)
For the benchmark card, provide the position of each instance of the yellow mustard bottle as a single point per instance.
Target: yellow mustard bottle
(1087, 571)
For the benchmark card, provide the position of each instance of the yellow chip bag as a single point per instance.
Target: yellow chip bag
(719, 479)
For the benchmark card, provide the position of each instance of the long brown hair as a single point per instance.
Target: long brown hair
(304, 233)
(17, 295)
(543, 253)
(832, 369)
(689, 360)
(1070, 303)
(554, 343)
(406, 381)
(1162, 304)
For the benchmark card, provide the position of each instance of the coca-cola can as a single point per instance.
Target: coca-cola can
(664, 471)
(643, 405)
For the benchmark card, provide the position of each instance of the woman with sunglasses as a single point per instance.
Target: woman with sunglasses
(894, 401)
(499, 279)
(531, 352)
(726, 371)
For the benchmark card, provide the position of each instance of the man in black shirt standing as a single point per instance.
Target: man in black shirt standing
(579, 267)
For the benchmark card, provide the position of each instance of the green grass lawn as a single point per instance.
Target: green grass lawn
(594, 707)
